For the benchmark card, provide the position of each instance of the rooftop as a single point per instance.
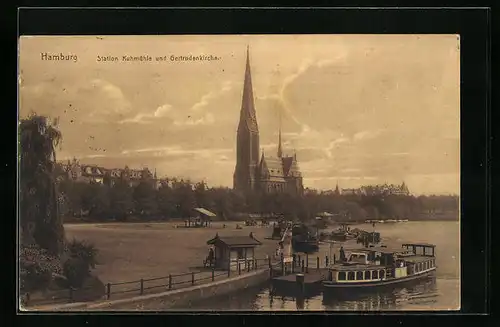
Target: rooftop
(205, 212)
(235, 241)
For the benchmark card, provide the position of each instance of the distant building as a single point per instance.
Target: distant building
(73, 170)
(261, 173)
(384, 189)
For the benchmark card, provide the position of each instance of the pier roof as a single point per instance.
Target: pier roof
(235, 241)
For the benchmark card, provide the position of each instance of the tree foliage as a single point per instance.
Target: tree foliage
(176, 199)
(39, 218)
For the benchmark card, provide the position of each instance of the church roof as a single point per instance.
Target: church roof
(273, 167)
(290, 166)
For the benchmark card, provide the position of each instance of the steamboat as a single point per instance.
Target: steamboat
(374, 267)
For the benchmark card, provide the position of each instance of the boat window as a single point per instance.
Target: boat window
(359, 275)
(341, 275)
(426, 265)
(382, 273)
(367, 275)
(350, 275)
(374, 274)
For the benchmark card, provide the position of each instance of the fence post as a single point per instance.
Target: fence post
(213, 272)
(269, 261)
(317, 262)
(229, 268)
(239, 268)
(299, 260)
(256, 264)
(248, 265)
(302, 266)
(142, 286)
(192, 278)
(169, 282)
(108, 291)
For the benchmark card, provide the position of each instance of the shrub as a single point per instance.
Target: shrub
(81, 258)
(37, 267)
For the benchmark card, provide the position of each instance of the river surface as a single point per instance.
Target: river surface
(439, 292)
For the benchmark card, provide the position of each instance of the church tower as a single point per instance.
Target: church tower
(247, 140)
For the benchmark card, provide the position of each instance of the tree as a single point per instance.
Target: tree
(121, 200)
(40, 219)
(201, 196)
(145, 200)
(183, 198)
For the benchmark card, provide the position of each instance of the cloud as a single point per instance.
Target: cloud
(107, 97)
(147, 118)
(368, 134)
(207, 98)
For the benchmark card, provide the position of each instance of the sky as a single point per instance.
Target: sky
(356, 109)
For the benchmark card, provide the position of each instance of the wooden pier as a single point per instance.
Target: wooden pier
(304, 274)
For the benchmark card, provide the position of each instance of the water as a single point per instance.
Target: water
(439, 292)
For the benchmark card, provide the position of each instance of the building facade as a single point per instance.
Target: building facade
(85, 173)
(261, 173)
(384, 189)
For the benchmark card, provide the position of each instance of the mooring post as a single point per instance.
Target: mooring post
(248, 266)
(169, 282)
(192, 278)
(293, 264)
(299, 278)
(239, 268)
(299, 260)
(317, 263)
(282, 264)
(142, 286)
(108, 290)
(269, 261)
(302, 266)
(213, 274)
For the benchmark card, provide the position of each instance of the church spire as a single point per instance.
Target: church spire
(248, 116)
(280, 151)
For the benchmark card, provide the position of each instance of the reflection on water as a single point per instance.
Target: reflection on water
(438, 292)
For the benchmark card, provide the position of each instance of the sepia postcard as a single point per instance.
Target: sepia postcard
(239, 172)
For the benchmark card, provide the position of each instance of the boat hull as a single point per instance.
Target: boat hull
(333, 286)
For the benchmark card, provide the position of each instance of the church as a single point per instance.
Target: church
(256, 172)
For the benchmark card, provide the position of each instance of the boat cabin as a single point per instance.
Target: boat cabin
(357, 273)
(233, 251)
(423, 249)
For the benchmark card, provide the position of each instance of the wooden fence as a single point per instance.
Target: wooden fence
(152, 285)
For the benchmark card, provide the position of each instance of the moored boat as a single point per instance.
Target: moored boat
(380, 266)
